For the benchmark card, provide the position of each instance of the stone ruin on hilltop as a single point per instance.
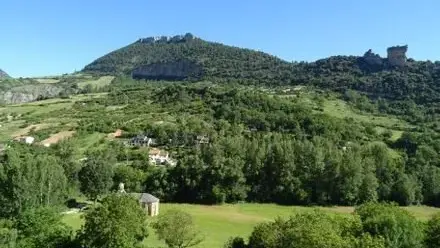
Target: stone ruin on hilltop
(167, 39)
(396, 58)
(397, 55)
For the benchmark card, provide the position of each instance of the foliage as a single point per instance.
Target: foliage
(217, 60)
(315, 229)
(30, 179)
(131, 177)
(42, 227)
(118, 222)
(96, 175)
(398, 227)
(433, 232)
(177, 229)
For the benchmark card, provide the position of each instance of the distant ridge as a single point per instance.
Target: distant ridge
(3, 74)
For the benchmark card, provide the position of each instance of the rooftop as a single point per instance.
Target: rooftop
(147, 198)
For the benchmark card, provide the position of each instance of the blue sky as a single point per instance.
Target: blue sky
(50, 37)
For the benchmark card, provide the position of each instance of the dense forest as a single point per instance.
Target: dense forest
(271, 149)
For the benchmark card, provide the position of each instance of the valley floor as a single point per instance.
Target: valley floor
(219, 223)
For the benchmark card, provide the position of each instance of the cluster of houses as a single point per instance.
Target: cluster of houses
(156, 156)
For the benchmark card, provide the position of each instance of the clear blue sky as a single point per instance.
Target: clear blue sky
(49, 37)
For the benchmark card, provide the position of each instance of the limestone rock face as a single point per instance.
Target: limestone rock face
(30, 93)
(174, 70)
(397, 56)
(371, 62)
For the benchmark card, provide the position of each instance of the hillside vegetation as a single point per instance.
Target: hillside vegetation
(239, 127)
(217, 60)
(411, 91)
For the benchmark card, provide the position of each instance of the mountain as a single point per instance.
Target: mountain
(186, 56)
(3, 74)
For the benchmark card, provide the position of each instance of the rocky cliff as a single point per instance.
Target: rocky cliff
(396, 58)
(371, 62)
(397, 55)
(29, 93)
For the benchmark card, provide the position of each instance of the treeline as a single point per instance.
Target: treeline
(371, 226)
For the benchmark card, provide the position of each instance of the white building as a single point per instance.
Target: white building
(159, 157)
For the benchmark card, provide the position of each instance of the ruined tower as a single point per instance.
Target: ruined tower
(397, 55)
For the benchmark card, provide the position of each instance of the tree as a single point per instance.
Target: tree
(119, 222)
(397, 226)
(131, 177)
(177, 229)
(96, 177)
(308, 230)
(8, 234)
(30, 179)
(236, 242)
(42, 227)
(433, 232)
(66, 151)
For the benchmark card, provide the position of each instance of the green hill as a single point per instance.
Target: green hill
(168, 56)
(186, 56)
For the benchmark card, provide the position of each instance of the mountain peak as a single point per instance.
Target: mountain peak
(167, 39)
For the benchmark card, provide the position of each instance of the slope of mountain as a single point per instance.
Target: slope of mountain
(187, 56)
(21, 90)
(3, 74)
(179, 57)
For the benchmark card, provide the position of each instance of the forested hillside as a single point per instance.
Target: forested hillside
(405, 89)
(217, 60)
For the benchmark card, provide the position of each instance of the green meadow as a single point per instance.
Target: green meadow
(221, 222)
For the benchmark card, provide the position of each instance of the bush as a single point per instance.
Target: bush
(433, 232)
(397, 226)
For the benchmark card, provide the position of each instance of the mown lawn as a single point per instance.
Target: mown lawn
(218, 223)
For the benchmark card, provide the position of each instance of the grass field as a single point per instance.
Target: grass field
(340, 109)
(47, 80)
(218, 223)
(37, 113)
(102, 81)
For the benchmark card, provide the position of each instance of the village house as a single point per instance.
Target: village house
(142, 141)
(160, 157)
(149, 203)
(202, 139)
